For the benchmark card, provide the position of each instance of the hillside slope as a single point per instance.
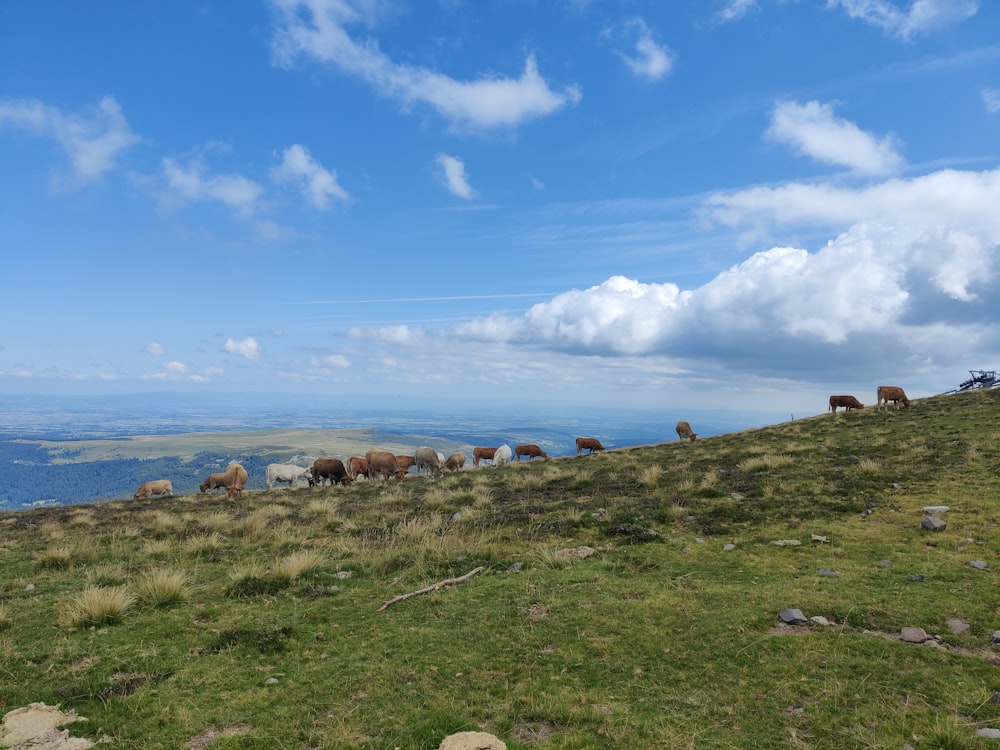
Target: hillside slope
(626, 599)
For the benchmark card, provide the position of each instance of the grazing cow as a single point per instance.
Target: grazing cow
(887, 393)
(455, 462)
(214, 482)
(236, 480)
(155, 487)
(588, 444)
(503, 455)
(357, 467)
(482, 454)
(332, 469)
(427, 459)
(405, 462)
(531, 451)
(290, 473)
(848, 402)
(382, 464)
(684, 431)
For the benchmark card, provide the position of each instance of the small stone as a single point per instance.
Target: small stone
(793, 617)
(995, 699)
(699, 540)
(933, 524)
(342, 574)
(917, 578)
(729, 548)
(736, 496)
(825, 572)
(989, 733)
(820, 620)
(786, 542)
(30, 587)
(978, 565)
(515, 567)
(853, 459)
(957, 626)
(820, 539)
(898, 486)
(914, 635)
(271, 681)
(472, 741)
(935, 510)
(883, 564)
(996, 637)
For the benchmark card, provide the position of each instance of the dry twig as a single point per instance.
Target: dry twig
(428, 589)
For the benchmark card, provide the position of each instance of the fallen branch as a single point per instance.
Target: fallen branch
(428, 589)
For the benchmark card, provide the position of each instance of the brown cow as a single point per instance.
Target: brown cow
(405, 462)
(236, 479)
(332, 469)
(848, 402)
(455, 461)
(588, 444)
(214, 482)
(382, 464)
(531, 451)
(482, 454)
(684, 431)
(154, 487)
(887, 393)
(357, 467)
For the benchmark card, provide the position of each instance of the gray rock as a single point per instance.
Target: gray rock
(914, 635)
(883, 564)
(995, 699)
(820, 620)
(825, 572)
(515, 567)
(933, 524)
(793, 617)
(989, 733)
(342, 574)
(996, 637)
(978, 565)
(935, 510)
(271, 681)
(957, 626)
(729, 548)
(917, 578)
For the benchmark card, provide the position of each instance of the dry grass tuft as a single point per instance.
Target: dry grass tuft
(202, 544)
(650, 476)
(59, 556)
(869, 464)
(299, 564)
(158, 548)
(107, 575)
(5, 619)
(162, 588)
(95, 606)
(765, 461)
(162, 523)
(218, 520)
(246, 570)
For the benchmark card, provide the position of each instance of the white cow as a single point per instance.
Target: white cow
(285, 473)
(503, 455)
(429, 460)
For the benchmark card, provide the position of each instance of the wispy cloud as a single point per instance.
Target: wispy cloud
(734, 10)
(452, 173)
(92, 139)
(650, 59)
(922, 17)
(191, 181)
(317, 184)
(317, 30)
(991, 98)
(247, 348)
(814, 130)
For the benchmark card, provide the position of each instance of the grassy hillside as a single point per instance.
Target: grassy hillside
(628, 599)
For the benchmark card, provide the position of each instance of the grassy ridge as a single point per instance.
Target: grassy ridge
(258, 620)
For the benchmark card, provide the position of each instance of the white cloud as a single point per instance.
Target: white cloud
(735, 10)
(317, 184)
(650, 60)
(247, 348)
(454, 177)
(316, 29)
(93, 140)
(155, 348)
(190, 183)
(338, 361)
(991, 98)
(922, 16)
(176, 367)
(813, 130)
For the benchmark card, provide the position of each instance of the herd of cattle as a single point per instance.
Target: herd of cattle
(378, 464)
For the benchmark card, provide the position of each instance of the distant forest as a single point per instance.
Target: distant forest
(28, 476)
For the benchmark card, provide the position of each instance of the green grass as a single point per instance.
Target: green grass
(256, 622)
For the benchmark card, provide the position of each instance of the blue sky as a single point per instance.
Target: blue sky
(714, 203)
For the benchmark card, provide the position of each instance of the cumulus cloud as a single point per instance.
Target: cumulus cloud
(318, 185)
(176, 367)
(317, 30)
(189, 183)
(247, 348)
(991, 98)
(650, 59)
(155, 348)
(93, 139)
(922, 16)
(454, 177)
(812, 129)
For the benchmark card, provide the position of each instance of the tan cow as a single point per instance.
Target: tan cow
(382, 464)
(848, 402)
(455, 461)
(531, 451)
(426, 459)
(482, 454)
(684, 431)
(236, 480)
(588, 444)
(405, 462)
(357, 467)
(214, 482)
(154, 487)
(887, 393)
